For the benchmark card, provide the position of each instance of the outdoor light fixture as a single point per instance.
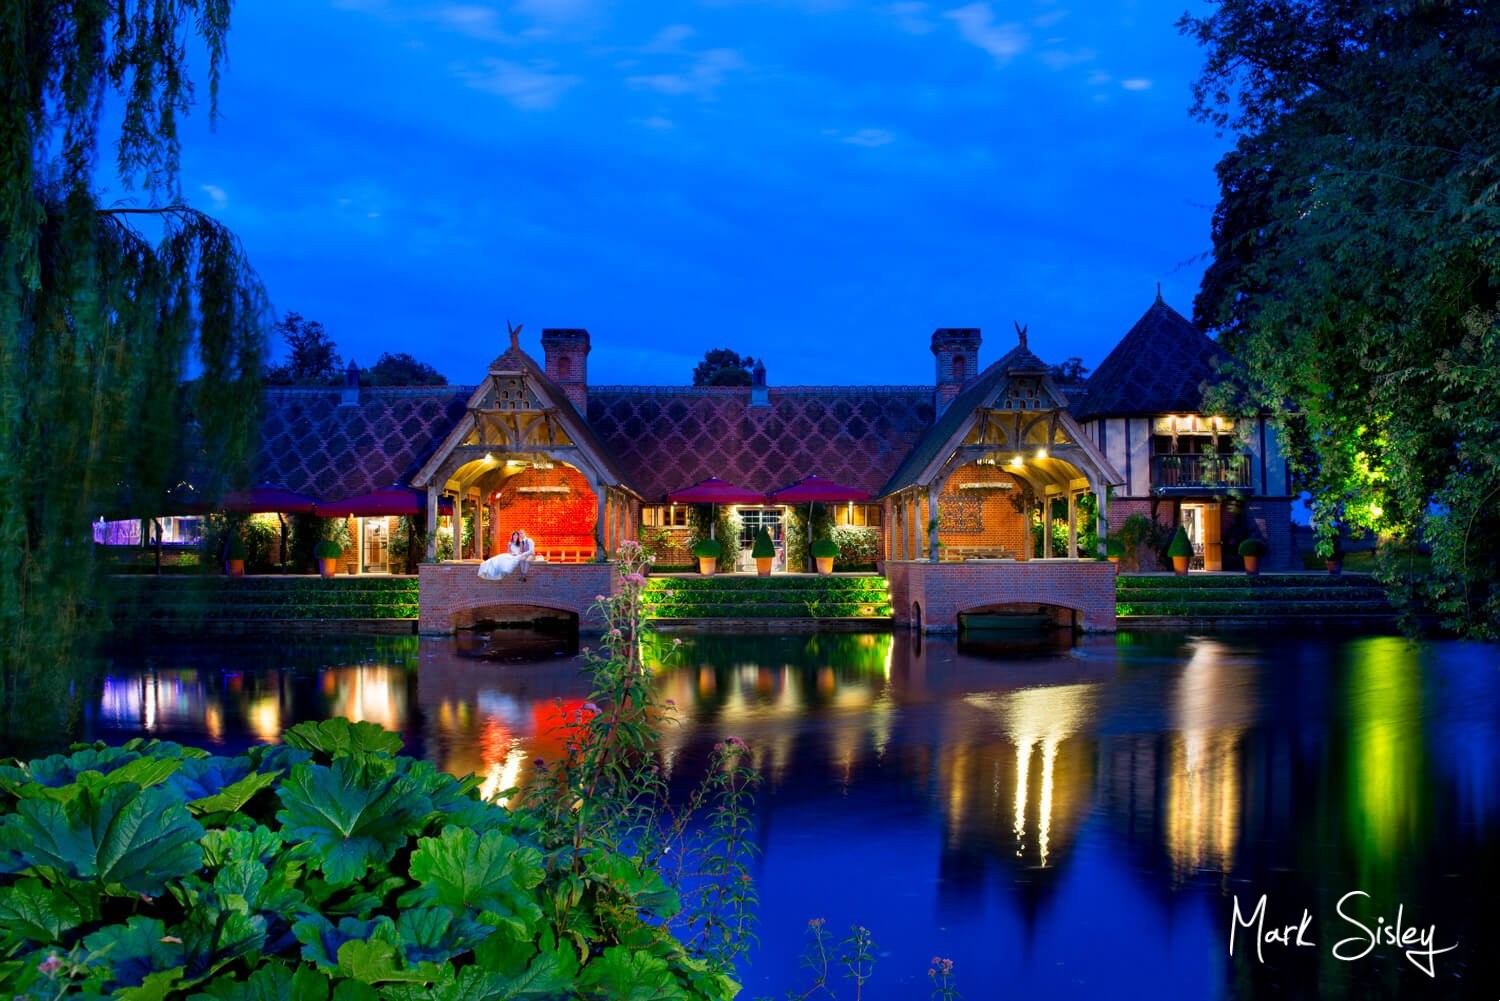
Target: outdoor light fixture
(1041, 454)
(1002, 485)
(1017, 461)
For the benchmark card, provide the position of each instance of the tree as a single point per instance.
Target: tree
(98, 318)
(1072, 372)
(401, 370)
(313, 359)
(722, 367)
(1355, 271)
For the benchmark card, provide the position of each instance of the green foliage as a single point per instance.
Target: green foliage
(1355, 272)
(763, 548)
(236, 549)
(858, 545)
(401, 369)
(1139, 534)
(824, 548)
(313, 358)
(328, 550)
(1180, 546)
(188, 603)
(1114, 548)
(755, 597)
(334, 865)
(723, 367)
(262, 542)
(795, 534)
(708, 549)
(1252, 547)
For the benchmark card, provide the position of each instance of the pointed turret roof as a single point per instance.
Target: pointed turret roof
(1161, 366)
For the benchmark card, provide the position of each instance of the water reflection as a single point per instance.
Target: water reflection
(1073, 821)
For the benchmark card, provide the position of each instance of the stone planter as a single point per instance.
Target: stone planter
(1335, 567)
(1180, 565)
(707, 565)
(236, 568)
(1252, 565)
(763, 565)
(328, 567)
(824, 564)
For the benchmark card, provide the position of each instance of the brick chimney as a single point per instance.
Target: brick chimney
(957, 353)
(759, 395)
(567, 351)
(349, 395)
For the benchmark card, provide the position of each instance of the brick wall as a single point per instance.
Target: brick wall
(942, 590)
(553, 520)
(452, 591)
(1001, 525)
(1122, 508)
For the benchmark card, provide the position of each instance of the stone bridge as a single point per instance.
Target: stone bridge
(930, 596)
(452, 595)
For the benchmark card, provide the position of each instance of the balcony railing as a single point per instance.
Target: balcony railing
(1200, 472)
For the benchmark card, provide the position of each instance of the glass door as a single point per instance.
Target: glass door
(752, 519)
(375, 545)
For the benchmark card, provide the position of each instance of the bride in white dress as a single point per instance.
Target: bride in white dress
(502, 564)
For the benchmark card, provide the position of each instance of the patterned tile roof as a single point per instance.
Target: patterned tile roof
(665, 438)
(314, 446)
(1159, 367)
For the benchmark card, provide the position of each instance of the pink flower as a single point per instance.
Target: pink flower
(589, 707)
(634, 578)
(671, 703)
(616, 632)
(51, 964)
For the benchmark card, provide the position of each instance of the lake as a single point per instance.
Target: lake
(1062, 821)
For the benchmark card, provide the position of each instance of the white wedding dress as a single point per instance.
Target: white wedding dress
(500, 565)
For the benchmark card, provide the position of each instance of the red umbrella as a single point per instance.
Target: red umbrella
(267, 497)
(405, 502)
(715, 491)
(813, 489)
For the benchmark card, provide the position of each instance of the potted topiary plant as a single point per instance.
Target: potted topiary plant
(234, 556)
(1114, 551)
(823, 552)
(1181, 551)
(708, 552)
(1252, 549)
(327, 554)
(764, 551)
(1331, 552)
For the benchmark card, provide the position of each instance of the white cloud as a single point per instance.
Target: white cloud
(870, 138)
(976, 23)
(911, 17)
(1098, 78)
(555, 10)
(528, 88)
(1048, 19)
(472, 20)
(1061, 59)
(669, 39)
(215, 194)
(703, 77)
(657, 122)
(1136, 83)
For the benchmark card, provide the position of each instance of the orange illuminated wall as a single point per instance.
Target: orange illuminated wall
(1000, 524)
(560, 514)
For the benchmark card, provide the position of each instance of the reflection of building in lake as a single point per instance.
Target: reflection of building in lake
(1019, 781)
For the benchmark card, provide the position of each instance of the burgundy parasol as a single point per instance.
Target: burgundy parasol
(267, 497)
(715, 491)
(814, 489)
(407, 502)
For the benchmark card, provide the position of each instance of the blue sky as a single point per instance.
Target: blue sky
(815, 182)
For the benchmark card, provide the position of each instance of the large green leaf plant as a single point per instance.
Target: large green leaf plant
(347, 871)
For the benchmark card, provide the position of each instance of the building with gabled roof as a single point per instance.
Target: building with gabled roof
(964, 468)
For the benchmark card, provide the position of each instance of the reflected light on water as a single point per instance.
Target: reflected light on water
(1210, 705)
(1387, 798)
(1038, 721)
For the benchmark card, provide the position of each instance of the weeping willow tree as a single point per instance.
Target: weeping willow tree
(104, 313)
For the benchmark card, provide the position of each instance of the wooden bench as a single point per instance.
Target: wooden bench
(960, 553)
(565, 554)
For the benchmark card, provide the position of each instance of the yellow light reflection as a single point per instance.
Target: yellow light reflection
(265, 718)
(1212, 708)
